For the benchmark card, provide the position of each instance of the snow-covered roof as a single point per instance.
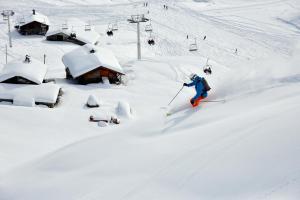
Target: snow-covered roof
(89, 36)
(37, 17)
(81, 60)
(34, 71)
(44, 93)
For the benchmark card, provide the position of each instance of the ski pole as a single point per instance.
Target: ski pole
(176, 95)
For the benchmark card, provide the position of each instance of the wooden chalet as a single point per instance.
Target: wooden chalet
(80, 34)
(34, 24)
(90, 64)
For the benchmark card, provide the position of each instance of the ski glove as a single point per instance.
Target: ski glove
(185, 84)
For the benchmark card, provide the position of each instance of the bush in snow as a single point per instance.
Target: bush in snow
(124, 109)
(93, 102)
(23, 101)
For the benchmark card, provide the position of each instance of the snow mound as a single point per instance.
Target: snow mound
(124, 109)
(93, 102)
(102, 124)
(105, 81)
(101, 116)
(24, 101)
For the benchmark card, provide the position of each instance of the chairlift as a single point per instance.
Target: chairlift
(64, 26)
(115, 27)
(148, 27)
(151, 40)
(87, 27)
(5, 17)
(193, 46)
(207, 68)
(22, 20)
(109, 31)
(73, 34)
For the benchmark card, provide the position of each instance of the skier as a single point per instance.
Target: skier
(27, 59)
(201, 88)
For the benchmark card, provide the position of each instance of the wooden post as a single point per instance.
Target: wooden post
(6, 54)
(44, 58)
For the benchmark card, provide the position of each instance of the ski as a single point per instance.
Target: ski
(173, 111)
(219, 100)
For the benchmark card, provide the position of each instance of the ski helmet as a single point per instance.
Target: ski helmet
(193, 76)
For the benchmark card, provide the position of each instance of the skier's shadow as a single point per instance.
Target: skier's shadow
(180, 117)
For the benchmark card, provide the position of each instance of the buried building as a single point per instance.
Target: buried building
(21, 82)
(34, 24)
(91, 64)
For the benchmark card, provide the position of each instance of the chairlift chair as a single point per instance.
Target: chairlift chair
(5, 17)
(22, 20)
(73, 34)
(109, 31)
(87, 27)
(151, 40)
(115, 27)
(64, 26)
(193, 46)
(148, 27)
(207, 68)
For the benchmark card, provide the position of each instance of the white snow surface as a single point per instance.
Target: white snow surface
(245, 148)
(34, 71)
(81, 60)
(24, 101)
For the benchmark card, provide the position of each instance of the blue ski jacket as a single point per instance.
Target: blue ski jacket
(199, 87)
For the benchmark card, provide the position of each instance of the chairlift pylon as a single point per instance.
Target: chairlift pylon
(148, 27)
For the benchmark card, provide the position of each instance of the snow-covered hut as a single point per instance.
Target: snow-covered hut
(29, 95)
(33, 24)
(80, 35)
(21, 72)
(89, 64)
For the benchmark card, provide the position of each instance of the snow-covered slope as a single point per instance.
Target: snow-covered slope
(245, 148)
